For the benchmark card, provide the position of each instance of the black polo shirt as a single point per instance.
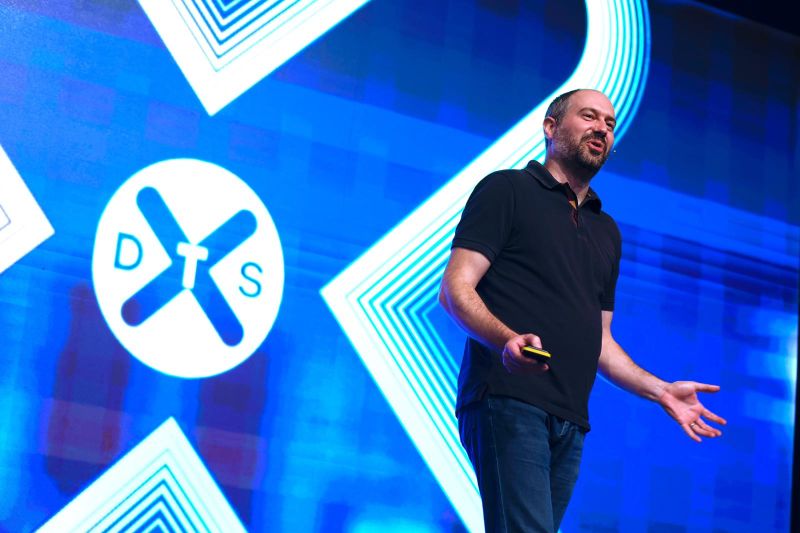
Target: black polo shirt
(554, 267)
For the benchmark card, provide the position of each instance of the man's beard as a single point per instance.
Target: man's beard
(578, 152)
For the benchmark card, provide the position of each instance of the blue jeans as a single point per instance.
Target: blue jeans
(526, 462)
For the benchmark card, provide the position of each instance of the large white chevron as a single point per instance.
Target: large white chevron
(382, 299)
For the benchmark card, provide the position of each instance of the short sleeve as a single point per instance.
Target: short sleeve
(488, 216)
(607, 299)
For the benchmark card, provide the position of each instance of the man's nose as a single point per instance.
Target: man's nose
(600, 129)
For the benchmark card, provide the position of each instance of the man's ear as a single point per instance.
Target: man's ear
(549, 126)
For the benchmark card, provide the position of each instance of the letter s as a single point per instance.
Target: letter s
(252, 279)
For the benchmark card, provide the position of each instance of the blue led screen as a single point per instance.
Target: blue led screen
(139, 125)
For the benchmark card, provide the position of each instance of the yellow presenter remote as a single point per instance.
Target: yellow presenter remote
(543, 356)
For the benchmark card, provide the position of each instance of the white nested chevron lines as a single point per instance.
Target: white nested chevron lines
(160, 485)
(224, 47)
(383, 299)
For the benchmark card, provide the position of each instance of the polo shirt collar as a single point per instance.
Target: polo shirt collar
(543, 176)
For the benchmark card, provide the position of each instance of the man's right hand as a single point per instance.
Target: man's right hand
(460, 299)
(516, 363)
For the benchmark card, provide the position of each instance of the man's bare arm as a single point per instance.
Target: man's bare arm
(617, 366)
(461, 301)
(459, 298)
(678, 399)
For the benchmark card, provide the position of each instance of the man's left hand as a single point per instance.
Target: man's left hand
(679, 400)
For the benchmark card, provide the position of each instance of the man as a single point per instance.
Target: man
(535, 263)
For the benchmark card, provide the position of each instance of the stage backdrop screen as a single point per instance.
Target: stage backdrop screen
(222, 229)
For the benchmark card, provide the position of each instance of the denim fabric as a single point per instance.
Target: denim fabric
(526, 462)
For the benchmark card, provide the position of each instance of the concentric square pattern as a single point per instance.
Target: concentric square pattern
(224, 47)
(160, 485)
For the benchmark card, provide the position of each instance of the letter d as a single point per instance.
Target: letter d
(121, 238)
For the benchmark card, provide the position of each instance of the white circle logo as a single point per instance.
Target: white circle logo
(188, 268)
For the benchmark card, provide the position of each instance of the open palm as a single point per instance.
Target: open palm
(680, 401)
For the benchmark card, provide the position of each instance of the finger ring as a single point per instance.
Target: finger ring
(693, 424)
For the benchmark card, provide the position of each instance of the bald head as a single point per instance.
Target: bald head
(559, 105)
(579, 129)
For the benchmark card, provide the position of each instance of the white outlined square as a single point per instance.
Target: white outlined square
(23, 224)
(225, 47)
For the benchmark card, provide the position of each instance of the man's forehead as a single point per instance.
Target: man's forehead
(592, 99)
